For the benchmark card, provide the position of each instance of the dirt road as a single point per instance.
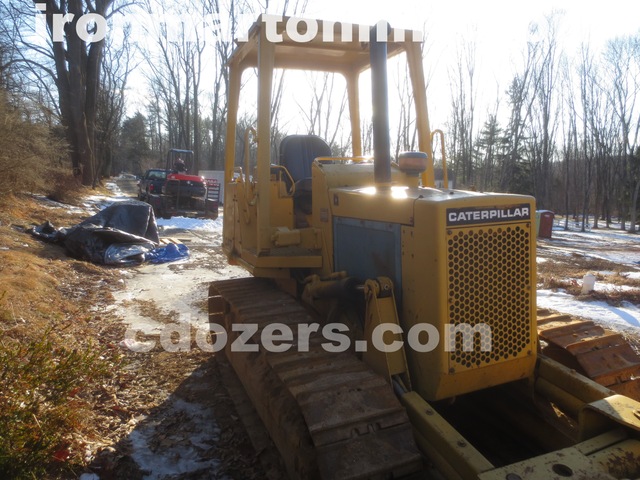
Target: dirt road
(183, 421)
(128, 185)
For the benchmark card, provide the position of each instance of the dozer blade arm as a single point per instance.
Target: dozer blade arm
(382, 332)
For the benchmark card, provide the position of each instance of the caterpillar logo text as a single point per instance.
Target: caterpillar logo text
(476, 215)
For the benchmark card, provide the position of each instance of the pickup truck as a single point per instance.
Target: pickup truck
(151, 182)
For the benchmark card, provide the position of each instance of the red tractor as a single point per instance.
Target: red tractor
(184, 193)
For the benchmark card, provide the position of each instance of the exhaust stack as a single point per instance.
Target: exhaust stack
(380, 101)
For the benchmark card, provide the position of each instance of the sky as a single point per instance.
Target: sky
(500, 24)
(498, 27)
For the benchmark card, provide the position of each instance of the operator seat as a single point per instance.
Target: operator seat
(297, 153)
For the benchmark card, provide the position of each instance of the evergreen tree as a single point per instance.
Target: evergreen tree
(134, 151)
(490, 152)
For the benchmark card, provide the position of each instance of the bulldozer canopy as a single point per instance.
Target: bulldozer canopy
(331, 46)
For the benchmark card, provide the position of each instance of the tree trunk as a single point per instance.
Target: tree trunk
(77, 80)
(566, 191)
(632, 209)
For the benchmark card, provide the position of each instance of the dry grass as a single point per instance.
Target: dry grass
(54, 305)
(53, 366)
(36, 278)
(577, 265)
(22, 209)
(149, 309)
(623, 280)
(568, 274)
(30, 153)
(617, 297)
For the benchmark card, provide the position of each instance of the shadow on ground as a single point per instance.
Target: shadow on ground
(195, 434)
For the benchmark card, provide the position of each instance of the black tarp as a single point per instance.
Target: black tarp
(120, 234)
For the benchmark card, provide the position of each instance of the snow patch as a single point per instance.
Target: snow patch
(183, 223)
(626, 316)
(99, 202)
(181, 453)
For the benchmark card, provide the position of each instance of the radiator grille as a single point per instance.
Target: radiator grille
(489, 283)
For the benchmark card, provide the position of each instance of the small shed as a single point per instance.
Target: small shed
(544, 223)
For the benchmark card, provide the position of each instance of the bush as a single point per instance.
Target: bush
(64, 187)
(40, 403)
(29, 151)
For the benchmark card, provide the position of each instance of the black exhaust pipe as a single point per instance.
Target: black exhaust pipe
(381, 142)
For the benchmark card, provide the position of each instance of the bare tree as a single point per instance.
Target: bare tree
(188, 113)
(589, 98)
(463, 96)
(71, 58)
(569, 119)
(325, 108)
(622, 76)
(175, 61)
(515, 172)
(543, 118)
(116, 66)
(406, 133)
(223, 48)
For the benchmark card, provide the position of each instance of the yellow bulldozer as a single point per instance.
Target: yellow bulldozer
(388, 328)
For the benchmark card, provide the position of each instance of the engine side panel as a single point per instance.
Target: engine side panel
(475, 283)
(367, 249)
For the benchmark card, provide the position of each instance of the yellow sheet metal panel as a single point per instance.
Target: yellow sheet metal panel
(343, 174)
(281, 206)
(598, 416)
(467, 277)
(369, 203)
(285, 257)
(446, 446)
(469, 271)
(329, 176)
(265, 81)
(559, 465)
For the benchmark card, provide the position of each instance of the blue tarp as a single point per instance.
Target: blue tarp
(168, 253)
